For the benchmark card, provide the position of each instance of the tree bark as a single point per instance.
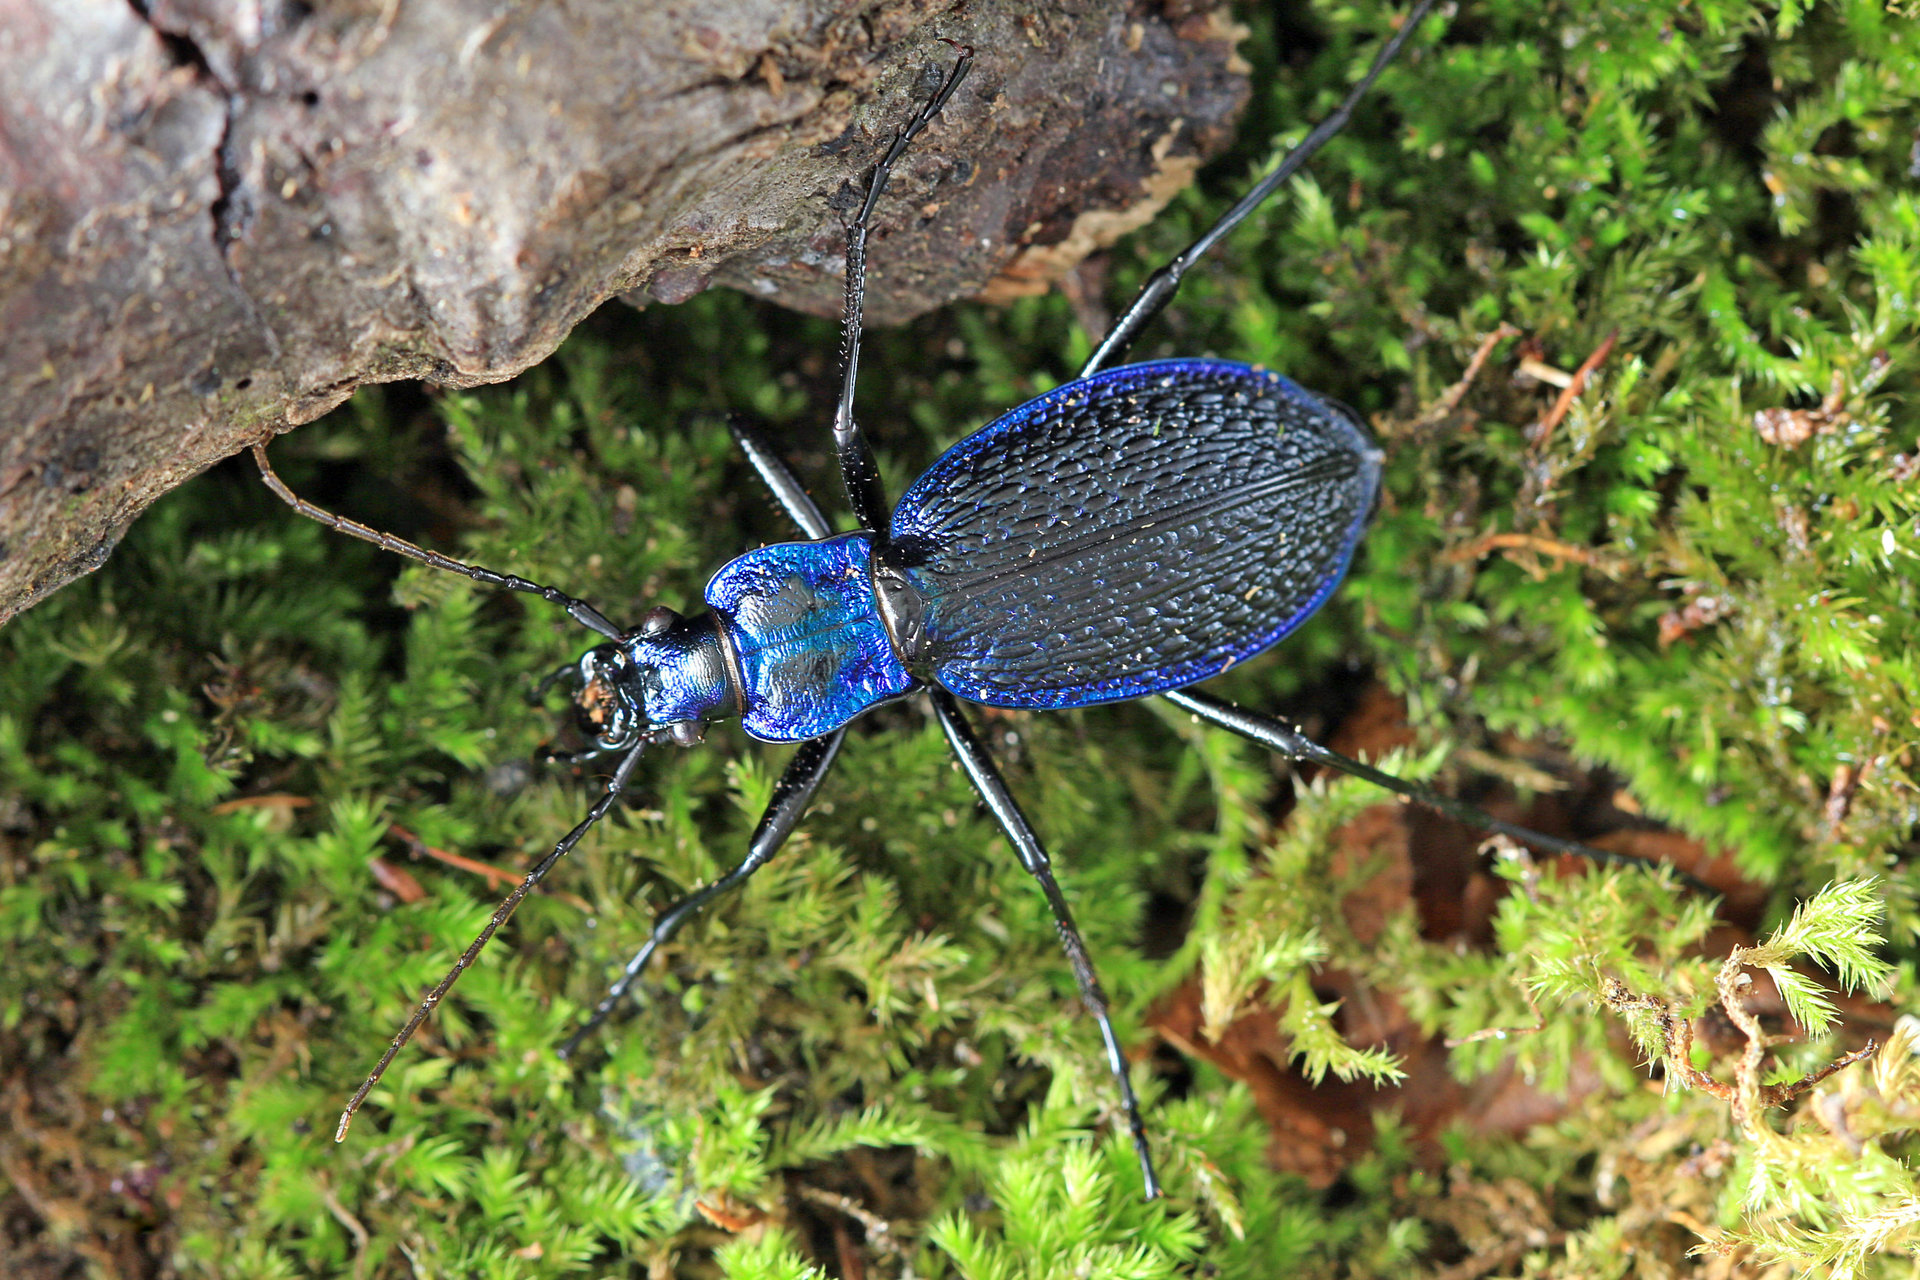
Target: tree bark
(219, 217)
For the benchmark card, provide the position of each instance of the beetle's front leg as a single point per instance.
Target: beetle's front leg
(791, 795)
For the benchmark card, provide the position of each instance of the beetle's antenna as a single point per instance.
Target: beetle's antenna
(615, 785)
(1164, 283)
(857, 466)
(582, 612)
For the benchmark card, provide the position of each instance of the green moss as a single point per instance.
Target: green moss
(202, 746)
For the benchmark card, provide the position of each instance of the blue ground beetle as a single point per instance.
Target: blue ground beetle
(1133, 532)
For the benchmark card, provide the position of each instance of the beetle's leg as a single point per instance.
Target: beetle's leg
(570, 673)
(1164, 283)
(566, 671)
(582, 612)
(857, 468)
(979, 767)
(773, 473)
(581, 756)
(791, 796)
(1275, 736)
(615, 785)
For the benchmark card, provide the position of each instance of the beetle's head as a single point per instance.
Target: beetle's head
(661, 683)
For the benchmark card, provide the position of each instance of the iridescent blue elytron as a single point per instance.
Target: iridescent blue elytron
(1122, 535)
(1128, 534)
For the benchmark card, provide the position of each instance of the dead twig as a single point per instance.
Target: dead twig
(1450, 398)
(1552, 548)
(1542, 431)
(500, 876)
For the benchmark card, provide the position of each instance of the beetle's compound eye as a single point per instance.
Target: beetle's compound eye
(657, 619)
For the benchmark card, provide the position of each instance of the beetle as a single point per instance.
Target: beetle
(1129, 534)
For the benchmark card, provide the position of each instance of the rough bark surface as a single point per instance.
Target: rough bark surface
(219, 217)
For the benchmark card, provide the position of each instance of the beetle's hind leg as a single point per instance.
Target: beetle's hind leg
(1160, 287)
(857, 466)
(791, 795)
(1275, 736)
(985, 775)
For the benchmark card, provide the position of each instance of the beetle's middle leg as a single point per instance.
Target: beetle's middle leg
(979, 767)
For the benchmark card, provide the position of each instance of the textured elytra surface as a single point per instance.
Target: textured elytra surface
(1136, 531)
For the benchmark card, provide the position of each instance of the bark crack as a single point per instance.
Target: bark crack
(230, 210)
